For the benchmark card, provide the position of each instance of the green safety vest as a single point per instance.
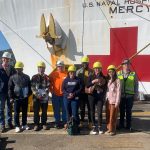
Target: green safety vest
(127, 84)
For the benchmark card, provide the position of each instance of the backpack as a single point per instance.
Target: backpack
(73, 128)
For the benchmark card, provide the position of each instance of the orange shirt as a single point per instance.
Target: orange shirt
(56, 80)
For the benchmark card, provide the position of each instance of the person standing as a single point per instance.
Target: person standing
(83, 74)
(56, 79)
(129, 94)
(113, 96)
(96, 87)
(19, 89)
(71, 90)
(6, 70)
(40, 87)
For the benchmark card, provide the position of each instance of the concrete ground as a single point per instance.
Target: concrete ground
(57, 139)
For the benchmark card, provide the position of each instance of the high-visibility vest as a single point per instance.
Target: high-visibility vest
(127, 84)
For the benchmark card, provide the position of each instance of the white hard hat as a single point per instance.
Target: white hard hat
(6, 55)
(60, 63)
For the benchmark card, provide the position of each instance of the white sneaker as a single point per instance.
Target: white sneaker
(93, 131)
(17, 129)
(26, 127)
(100, 131)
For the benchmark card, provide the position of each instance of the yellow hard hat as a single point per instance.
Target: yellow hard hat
(111, 67)
(85, 59)
(41, 64)
(72, 68)
(19, 64)
(97, 65)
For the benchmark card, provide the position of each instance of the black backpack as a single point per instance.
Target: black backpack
(72, 127)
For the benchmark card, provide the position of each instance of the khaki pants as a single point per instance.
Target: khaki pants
(111, 117)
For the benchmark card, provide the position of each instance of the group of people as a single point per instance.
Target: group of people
(72, 91)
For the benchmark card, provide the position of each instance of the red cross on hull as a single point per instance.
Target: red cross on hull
(123, 44)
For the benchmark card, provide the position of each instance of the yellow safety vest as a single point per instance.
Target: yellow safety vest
(127, 84)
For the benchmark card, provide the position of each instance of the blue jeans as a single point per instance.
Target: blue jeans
(58, 106)
(71, 107)
(4, 100)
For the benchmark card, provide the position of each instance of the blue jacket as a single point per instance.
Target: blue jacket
(71, 86)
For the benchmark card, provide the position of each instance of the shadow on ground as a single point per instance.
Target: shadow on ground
(4, 141)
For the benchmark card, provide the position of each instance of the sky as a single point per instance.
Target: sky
(3, 43)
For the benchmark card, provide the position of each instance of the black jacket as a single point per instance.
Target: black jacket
(80, 74)
(4, 78)
(102, 88)
(19, 86)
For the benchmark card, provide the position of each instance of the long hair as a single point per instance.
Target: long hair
(114, 77)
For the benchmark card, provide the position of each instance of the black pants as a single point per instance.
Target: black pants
(93, 102)
(20, 104)
(36, 106)
(83, 101)
(126, 105)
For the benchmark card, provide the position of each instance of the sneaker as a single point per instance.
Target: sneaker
(107, 132)
(25, 127)
(100, 131)
(129, 129)
(17, 129)
(112, 133)
(36, 128)
(2, 129)
(45, 127)
(93, 131)
(90, 126)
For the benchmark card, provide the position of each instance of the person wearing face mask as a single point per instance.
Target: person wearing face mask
(96, 87)
(113, 96)
(71, 90)
(129, 93)
(6, 70)
(83, 74)
(19, 89)
(40, 87)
